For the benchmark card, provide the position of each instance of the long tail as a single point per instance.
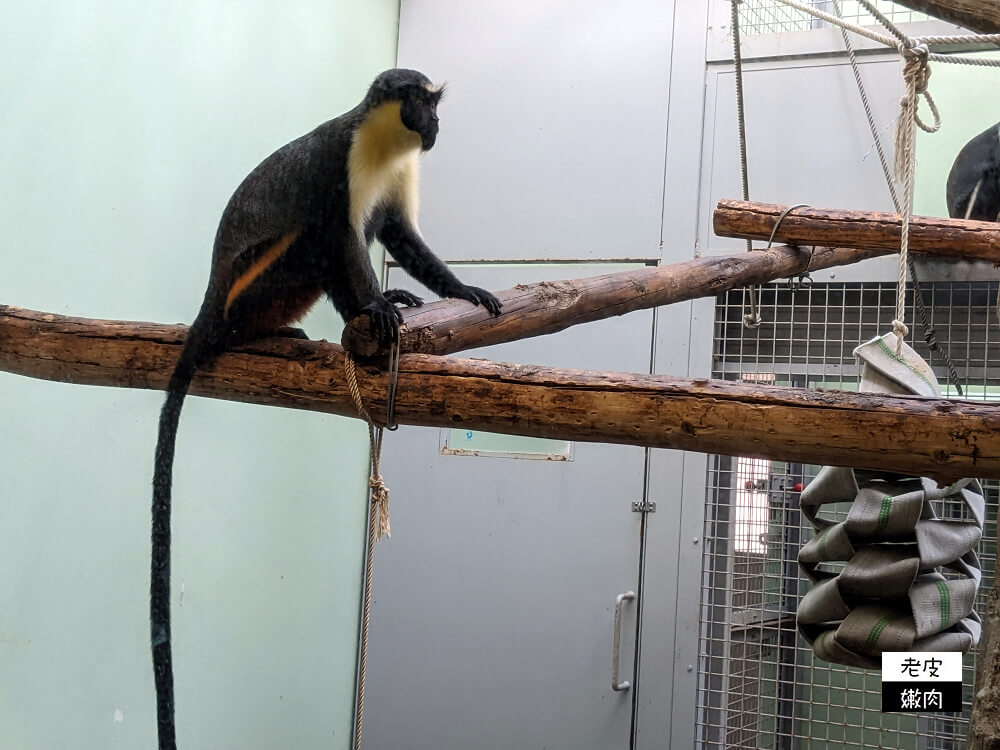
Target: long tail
(195, 354)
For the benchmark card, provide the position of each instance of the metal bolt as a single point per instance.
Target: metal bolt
(690, 667)
(694, 541)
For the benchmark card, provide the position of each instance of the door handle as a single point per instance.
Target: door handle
(616, 653)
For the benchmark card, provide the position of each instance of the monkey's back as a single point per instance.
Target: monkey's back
(303, 183)
(978, 163)
(275, 245)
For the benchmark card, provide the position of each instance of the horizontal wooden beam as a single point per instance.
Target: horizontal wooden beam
(932, 437)
(449, 326)
(948, 238)
(979, 15)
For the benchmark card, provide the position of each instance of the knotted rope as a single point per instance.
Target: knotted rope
(379, 492)
(378, 514)
(916, 72)
(930, 334)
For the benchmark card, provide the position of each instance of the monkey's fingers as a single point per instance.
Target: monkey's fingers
(478, 296)
(402, 297)
(385, 320)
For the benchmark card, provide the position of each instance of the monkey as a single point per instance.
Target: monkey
(299, 226)
(973, 190)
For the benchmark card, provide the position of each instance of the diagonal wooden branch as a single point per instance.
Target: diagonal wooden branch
(979, 15)
(841, 237)
(935, 437)
(449, 326)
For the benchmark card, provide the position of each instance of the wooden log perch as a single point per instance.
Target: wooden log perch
(979, 15)
(449, 326)
(949, 238)
(936, 437)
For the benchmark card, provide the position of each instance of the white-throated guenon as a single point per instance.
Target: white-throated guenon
(298, 227)
(974, 181)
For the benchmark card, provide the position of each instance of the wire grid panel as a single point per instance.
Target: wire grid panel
(759, 683)
(759, 17)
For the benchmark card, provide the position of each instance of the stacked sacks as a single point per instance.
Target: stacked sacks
(909, 577)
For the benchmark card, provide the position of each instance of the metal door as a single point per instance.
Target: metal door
(494, 600)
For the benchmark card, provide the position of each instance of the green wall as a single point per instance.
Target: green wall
(968, 98)
(124, 128)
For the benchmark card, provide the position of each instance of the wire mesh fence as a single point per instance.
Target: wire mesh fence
(773, 17)
(760, 685)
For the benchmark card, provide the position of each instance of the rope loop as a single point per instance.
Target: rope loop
(934, 111)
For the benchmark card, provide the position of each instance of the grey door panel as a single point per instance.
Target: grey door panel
(559, 157)
(493, 615)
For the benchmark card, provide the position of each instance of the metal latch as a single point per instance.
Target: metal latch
(643, 506)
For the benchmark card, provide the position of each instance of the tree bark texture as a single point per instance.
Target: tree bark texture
(984, 724)
(979, 15)
(949, 238)
(449, 326)
(931, 437)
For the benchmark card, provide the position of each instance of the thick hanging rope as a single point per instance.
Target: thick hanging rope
(379, 492)
(916, 72)
(930, 334)
(378, 515)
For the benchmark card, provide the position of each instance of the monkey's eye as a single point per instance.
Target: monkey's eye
(420, 102)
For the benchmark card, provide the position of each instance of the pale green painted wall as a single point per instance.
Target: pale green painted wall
(124, 128)
(969, 100)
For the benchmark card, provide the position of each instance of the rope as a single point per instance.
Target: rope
(958, 39)
(983, 62)
(868, 111)
(930, 334)
(882, 19)
(898, 39)
(875, 36)
(740, 118)
(378, 515)
(916, 73)
(751, 319)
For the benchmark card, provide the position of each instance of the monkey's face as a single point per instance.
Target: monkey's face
(419, 113)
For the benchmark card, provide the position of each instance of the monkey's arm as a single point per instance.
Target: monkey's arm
(353, 288)
(408, 248)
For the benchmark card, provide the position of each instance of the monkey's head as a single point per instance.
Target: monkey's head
(418, 99)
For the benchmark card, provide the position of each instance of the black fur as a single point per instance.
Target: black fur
(977, 163)
(298, 195)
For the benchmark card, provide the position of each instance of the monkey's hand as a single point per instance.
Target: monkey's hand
(402, 297)
(385, 320)
(478, 296)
